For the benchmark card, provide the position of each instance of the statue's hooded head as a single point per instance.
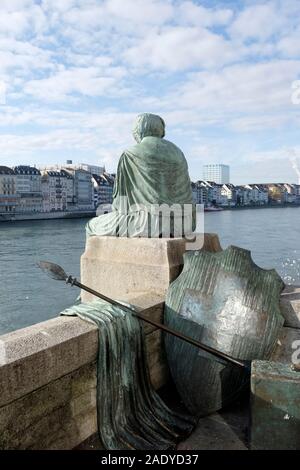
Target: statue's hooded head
(147, 125)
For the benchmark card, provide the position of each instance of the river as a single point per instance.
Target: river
(28, 296)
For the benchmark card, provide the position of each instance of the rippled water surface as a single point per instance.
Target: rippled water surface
(28, 296)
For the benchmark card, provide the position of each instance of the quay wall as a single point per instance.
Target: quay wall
(48, 380)
(46, 216)
(48, 375)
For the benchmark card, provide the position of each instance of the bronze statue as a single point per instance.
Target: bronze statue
(152, 193)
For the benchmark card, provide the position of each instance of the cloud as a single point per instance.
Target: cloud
(257, 94)
(198, 15)
(87, 81)
(289, 46)
(257, 22)
(180, 48)
(76, 72)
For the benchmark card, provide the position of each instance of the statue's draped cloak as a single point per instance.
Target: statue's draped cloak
(130, 413)
(150, 174)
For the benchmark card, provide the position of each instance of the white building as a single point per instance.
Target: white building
(28, 187)
(54, 190)
(214, 193)
(252, 194)
(228, 193)
(8, 197)
(291, 193)
(217, 173)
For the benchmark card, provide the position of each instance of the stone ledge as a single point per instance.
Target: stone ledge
(58, 415)
(275, 412)
(37, 355)
(48, 379)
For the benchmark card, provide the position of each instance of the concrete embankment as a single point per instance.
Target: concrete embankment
(46, 216)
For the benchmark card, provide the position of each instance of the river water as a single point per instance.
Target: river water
(28, 296)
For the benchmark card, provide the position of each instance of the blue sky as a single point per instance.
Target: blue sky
(74, 74)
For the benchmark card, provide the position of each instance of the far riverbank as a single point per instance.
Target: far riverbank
(47, 216)
(267, 206)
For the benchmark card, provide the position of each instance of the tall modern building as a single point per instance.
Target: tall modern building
(217, 173)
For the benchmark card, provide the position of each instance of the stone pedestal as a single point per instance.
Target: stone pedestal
(124, 267)
(275, 412)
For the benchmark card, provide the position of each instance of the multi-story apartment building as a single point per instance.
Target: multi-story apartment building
(28, 187)
(54, 190)
(8, 197)
(228, 193)
(103, 188)
(261, 195)
(217, 173)
(200, 192)
(82, 189)
(291, 193)
(252, 194)
(214, 193)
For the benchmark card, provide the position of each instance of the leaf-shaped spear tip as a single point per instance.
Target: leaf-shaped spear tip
(53, 270)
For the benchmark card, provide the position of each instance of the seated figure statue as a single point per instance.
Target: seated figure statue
(152, 193)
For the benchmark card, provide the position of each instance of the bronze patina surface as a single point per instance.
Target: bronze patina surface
(151, 174)
(131, 415)
(227, 302)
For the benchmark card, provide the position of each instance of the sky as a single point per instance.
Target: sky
(224, 75)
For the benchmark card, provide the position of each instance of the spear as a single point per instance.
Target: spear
(58, 273)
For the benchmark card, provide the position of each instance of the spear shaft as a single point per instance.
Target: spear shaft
(56, 272)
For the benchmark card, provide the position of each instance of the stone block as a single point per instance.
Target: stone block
(290, 306)
(118, 267)
(275, 410)
(37, 355)
(52, 414)
(48, 379)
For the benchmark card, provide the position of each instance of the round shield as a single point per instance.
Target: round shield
(227, 302)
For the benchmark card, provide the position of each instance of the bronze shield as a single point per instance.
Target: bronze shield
(229, 303)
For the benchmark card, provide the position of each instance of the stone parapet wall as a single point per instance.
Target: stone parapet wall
(48, 380)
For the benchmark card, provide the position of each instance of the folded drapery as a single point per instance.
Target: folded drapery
(131, 415)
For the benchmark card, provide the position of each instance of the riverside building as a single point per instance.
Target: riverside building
(9, 199)
(29, 189)
(54, 190)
